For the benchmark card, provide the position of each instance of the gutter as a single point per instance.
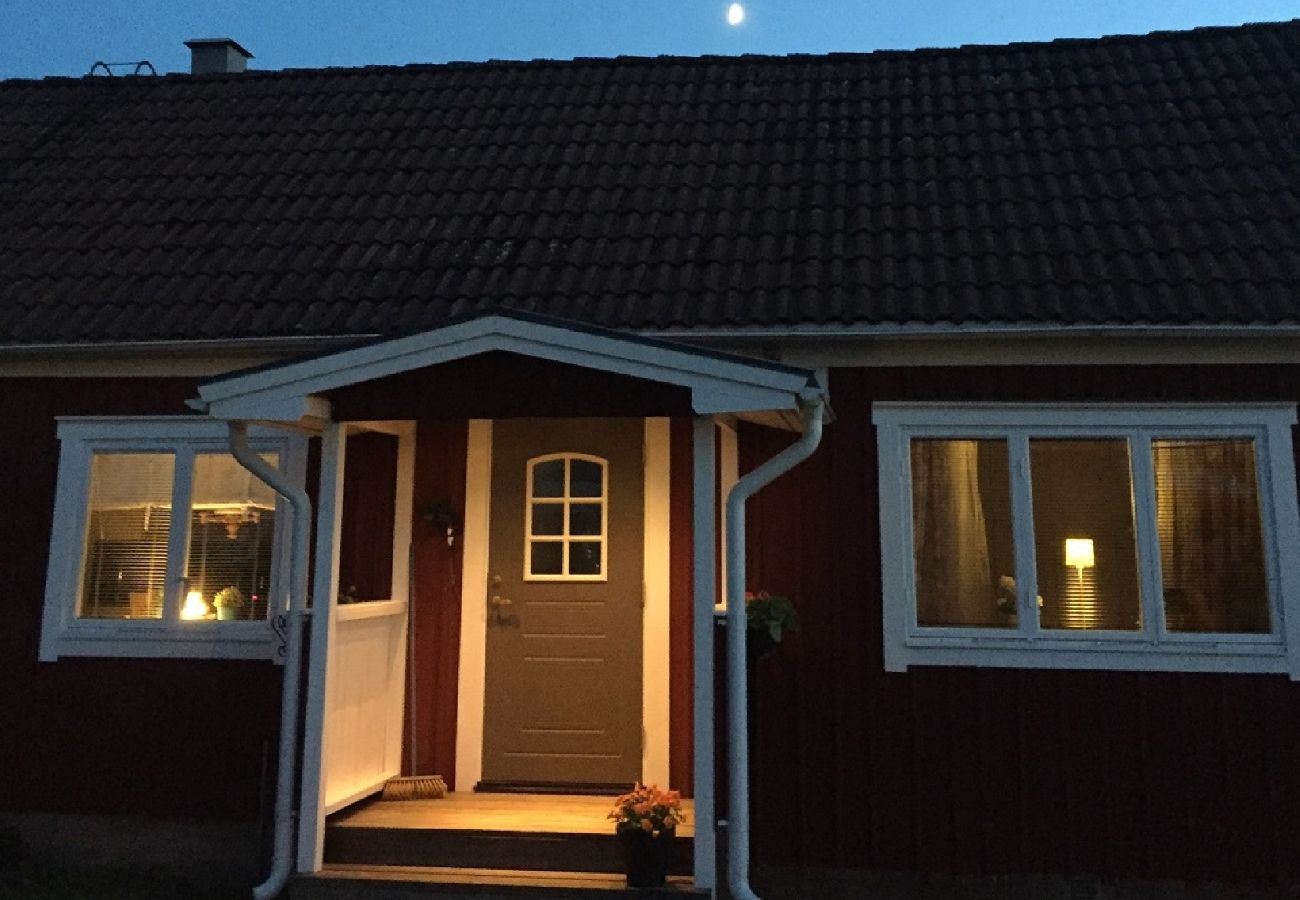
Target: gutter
(810, 413)
(282, 855)
(895, 331)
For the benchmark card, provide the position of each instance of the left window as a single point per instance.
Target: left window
(130, 574)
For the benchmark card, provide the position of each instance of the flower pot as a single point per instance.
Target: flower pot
(227, 613)
(645, 856)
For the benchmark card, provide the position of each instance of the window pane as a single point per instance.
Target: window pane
(584, 518)
(1084, 534)
(586, 479)
(547, 558)
(128, 520)
(548, 518)
(1211, 542)
(232, 525)
(584, 558)
(548, 479)
(961, 529)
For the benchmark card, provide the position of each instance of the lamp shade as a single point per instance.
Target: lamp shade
(1078, 553)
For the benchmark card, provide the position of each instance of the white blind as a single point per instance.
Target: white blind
(129, 518)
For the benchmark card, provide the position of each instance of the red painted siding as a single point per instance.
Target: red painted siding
(166, 737)
(1186, 776)
(681, 646)
(440, 448)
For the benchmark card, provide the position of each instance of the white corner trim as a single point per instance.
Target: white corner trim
(471, 684)
(655, 622)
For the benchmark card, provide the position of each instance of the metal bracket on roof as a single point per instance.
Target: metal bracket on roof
(141, 67)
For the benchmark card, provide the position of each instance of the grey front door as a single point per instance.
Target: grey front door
(564, 600)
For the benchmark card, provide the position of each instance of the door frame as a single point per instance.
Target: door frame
(473, 605)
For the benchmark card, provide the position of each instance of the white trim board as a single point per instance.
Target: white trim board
(472, 680)
(717, 383)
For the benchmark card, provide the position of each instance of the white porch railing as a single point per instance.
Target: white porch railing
(363, 702)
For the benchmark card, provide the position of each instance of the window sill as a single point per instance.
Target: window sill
(1263, 655)
(156, 640)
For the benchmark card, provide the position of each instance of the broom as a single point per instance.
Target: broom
(412, 787)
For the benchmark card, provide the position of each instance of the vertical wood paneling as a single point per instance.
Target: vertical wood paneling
(681, 646)
(1154, 775)
(369, 499)
(439, 482)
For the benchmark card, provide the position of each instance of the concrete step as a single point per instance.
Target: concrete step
(355, 882)
(496, 850)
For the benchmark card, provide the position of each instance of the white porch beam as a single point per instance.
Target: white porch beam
(704, 522)
(329, 518)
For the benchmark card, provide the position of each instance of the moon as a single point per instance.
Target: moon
(735, 14)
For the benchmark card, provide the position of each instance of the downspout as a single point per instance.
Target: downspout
(282, 855)
(810, 412)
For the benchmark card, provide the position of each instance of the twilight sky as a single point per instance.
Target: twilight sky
(64, 37)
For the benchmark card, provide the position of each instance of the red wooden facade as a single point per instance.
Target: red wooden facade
(165, 737)
(960, 770)
(957, 770)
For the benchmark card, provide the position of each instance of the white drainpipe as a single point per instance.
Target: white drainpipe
(737, 712)
(282, 857)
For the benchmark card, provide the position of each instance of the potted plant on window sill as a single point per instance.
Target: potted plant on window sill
(646, 821)
(228, 602)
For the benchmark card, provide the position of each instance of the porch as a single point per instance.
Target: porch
(509, 833)
(490, 443)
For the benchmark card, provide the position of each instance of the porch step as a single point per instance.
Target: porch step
(496, 850)
(413, 882)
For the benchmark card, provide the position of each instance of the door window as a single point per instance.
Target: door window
(567, 518)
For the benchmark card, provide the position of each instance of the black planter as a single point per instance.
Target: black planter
(645, 856)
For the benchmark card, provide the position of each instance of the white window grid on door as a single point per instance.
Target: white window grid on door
(565, 501)
(1153, 647)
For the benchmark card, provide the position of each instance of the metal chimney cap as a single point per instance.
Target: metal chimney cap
(196, 43)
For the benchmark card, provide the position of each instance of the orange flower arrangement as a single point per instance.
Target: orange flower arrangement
(648, 809)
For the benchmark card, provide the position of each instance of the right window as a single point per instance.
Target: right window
(1089, 536)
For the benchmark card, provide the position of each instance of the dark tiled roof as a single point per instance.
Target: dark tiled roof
(1122, 181)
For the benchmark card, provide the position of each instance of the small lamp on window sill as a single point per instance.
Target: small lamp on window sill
(1079, 555)
(194, 607)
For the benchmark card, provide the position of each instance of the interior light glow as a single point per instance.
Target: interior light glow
(194, 607)
(1079, 553)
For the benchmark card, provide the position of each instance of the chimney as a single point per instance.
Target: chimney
(210, 56)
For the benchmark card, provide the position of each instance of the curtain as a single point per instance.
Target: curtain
(954, 583)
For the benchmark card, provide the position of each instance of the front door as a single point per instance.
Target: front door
(565, 596)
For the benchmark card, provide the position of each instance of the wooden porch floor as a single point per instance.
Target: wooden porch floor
(467, 811)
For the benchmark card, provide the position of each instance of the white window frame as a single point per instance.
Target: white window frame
(564, 539)
(1152, 649)
(63, 633)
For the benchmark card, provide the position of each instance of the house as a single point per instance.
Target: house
(488, 347)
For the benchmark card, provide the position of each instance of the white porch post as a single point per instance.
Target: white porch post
(705, 589)
(311, 824)
(400, 589)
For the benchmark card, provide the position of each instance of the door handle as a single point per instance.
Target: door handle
(496, 603)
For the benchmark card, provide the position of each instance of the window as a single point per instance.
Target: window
(1122, 537)
(565, 524)
(127, 577)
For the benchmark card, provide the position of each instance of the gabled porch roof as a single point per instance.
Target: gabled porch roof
(293, 391)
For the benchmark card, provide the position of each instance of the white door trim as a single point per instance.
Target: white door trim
(471, 684)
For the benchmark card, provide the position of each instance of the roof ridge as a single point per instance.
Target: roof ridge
(1161, 35)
